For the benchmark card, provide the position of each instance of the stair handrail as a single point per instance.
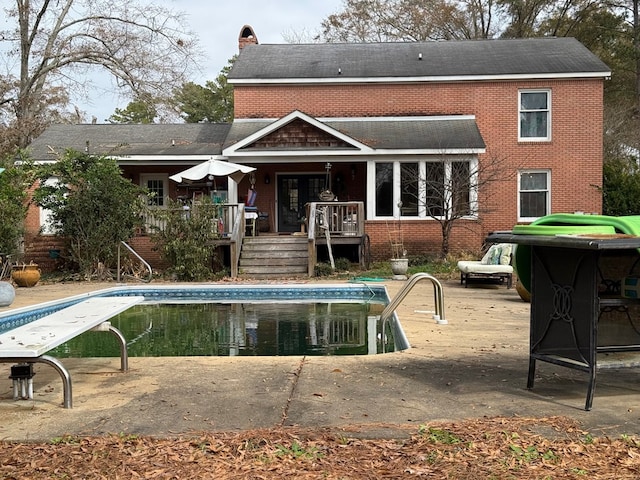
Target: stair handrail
(408, 286)
(311, 237)
(142, 260)
(236, 240)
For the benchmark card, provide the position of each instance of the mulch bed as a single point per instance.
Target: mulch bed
(490, 448)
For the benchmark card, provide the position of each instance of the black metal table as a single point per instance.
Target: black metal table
(566, 301)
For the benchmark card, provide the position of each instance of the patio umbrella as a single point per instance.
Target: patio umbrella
(217, 168)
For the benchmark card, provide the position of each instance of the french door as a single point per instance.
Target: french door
(294, 192)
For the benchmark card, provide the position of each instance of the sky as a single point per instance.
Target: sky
(218, 24)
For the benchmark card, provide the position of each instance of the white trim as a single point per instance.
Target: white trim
(233, 150)
(421, 79)
(547, 171)
(164, 178)
(419, 118)
(422, 209)
(173, 158)
(371, 190)
(46, 227)
(300, 155)
(548, 137)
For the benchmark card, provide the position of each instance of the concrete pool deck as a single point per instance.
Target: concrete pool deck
(473, 367)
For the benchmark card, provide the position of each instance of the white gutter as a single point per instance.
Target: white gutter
(424, 79)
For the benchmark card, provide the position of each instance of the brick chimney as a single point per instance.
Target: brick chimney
(247, 37)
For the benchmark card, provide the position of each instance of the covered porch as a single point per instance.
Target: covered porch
(327, 225)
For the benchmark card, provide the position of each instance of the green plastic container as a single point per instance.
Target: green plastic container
(567, 224)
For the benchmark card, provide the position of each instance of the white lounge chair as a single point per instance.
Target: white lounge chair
(496, 264)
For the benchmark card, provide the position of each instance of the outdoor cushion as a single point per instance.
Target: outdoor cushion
(498, 254)
(496, 263)
(474, 266)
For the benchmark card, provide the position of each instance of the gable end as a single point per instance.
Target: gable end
(298, 134)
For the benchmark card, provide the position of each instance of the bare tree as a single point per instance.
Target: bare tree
(411, 20)
(453, 189)
(143, 47)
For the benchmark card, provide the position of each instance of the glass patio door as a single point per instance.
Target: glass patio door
(294, 192)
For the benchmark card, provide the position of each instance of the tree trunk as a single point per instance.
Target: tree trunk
(636, 49)
(446, 235)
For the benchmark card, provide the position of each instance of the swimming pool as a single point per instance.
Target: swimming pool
(195, 319)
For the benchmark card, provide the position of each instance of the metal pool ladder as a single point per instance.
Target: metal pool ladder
(408, 286)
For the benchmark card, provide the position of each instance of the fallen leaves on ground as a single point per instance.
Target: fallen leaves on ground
(489, 448)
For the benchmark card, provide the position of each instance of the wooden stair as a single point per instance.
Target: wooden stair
(270, 256)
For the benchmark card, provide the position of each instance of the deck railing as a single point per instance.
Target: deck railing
(339, 219)
(223, 217)
(227, 220)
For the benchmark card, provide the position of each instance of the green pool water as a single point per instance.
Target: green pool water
(242, 329)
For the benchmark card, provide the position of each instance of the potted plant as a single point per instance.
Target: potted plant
(399, 260)
(26, 275)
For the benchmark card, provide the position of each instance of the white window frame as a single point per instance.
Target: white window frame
(547, 137)
(46, 226)
(422, 166)
(164, 178)
(547, 190)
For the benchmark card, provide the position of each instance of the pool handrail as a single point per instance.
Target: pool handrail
(142, 260)
(408, 286)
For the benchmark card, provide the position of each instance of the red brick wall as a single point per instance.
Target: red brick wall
(574, 154)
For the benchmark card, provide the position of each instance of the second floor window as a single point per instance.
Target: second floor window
(535, 115)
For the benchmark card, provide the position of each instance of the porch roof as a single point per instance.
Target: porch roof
(190, 139)
(422, 61)
(421, 134)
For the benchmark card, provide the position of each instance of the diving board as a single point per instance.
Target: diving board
(30, 342)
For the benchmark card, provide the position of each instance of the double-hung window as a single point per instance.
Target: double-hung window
(535, 115)
(425, 189)
(534, 194)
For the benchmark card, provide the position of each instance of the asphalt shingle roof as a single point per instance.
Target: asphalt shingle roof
(122, 140)
(390, 134)
(531, 56)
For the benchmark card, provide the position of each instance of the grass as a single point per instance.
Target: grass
(437, 267)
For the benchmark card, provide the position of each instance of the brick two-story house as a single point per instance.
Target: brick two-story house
(371, 121)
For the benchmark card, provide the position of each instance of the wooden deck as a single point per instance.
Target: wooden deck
(329, 224)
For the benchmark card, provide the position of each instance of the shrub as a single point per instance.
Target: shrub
(323, 270)
(92, 206)
(13, 206)
(342, 264)
(186, 239)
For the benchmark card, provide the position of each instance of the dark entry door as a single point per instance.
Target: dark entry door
(294, 192)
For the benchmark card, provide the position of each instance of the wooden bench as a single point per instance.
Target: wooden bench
(30, 342)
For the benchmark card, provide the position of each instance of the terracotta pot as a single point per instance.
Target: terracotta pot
(25, 275)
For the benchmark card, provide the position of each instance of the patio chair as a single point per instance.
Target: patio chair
(251, 212)
(495, 265)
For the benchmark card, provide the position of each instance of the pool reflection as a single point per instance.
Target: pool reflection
(243, 329)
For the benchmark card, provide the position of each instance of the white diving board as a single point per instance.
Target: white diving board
(30, 342)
